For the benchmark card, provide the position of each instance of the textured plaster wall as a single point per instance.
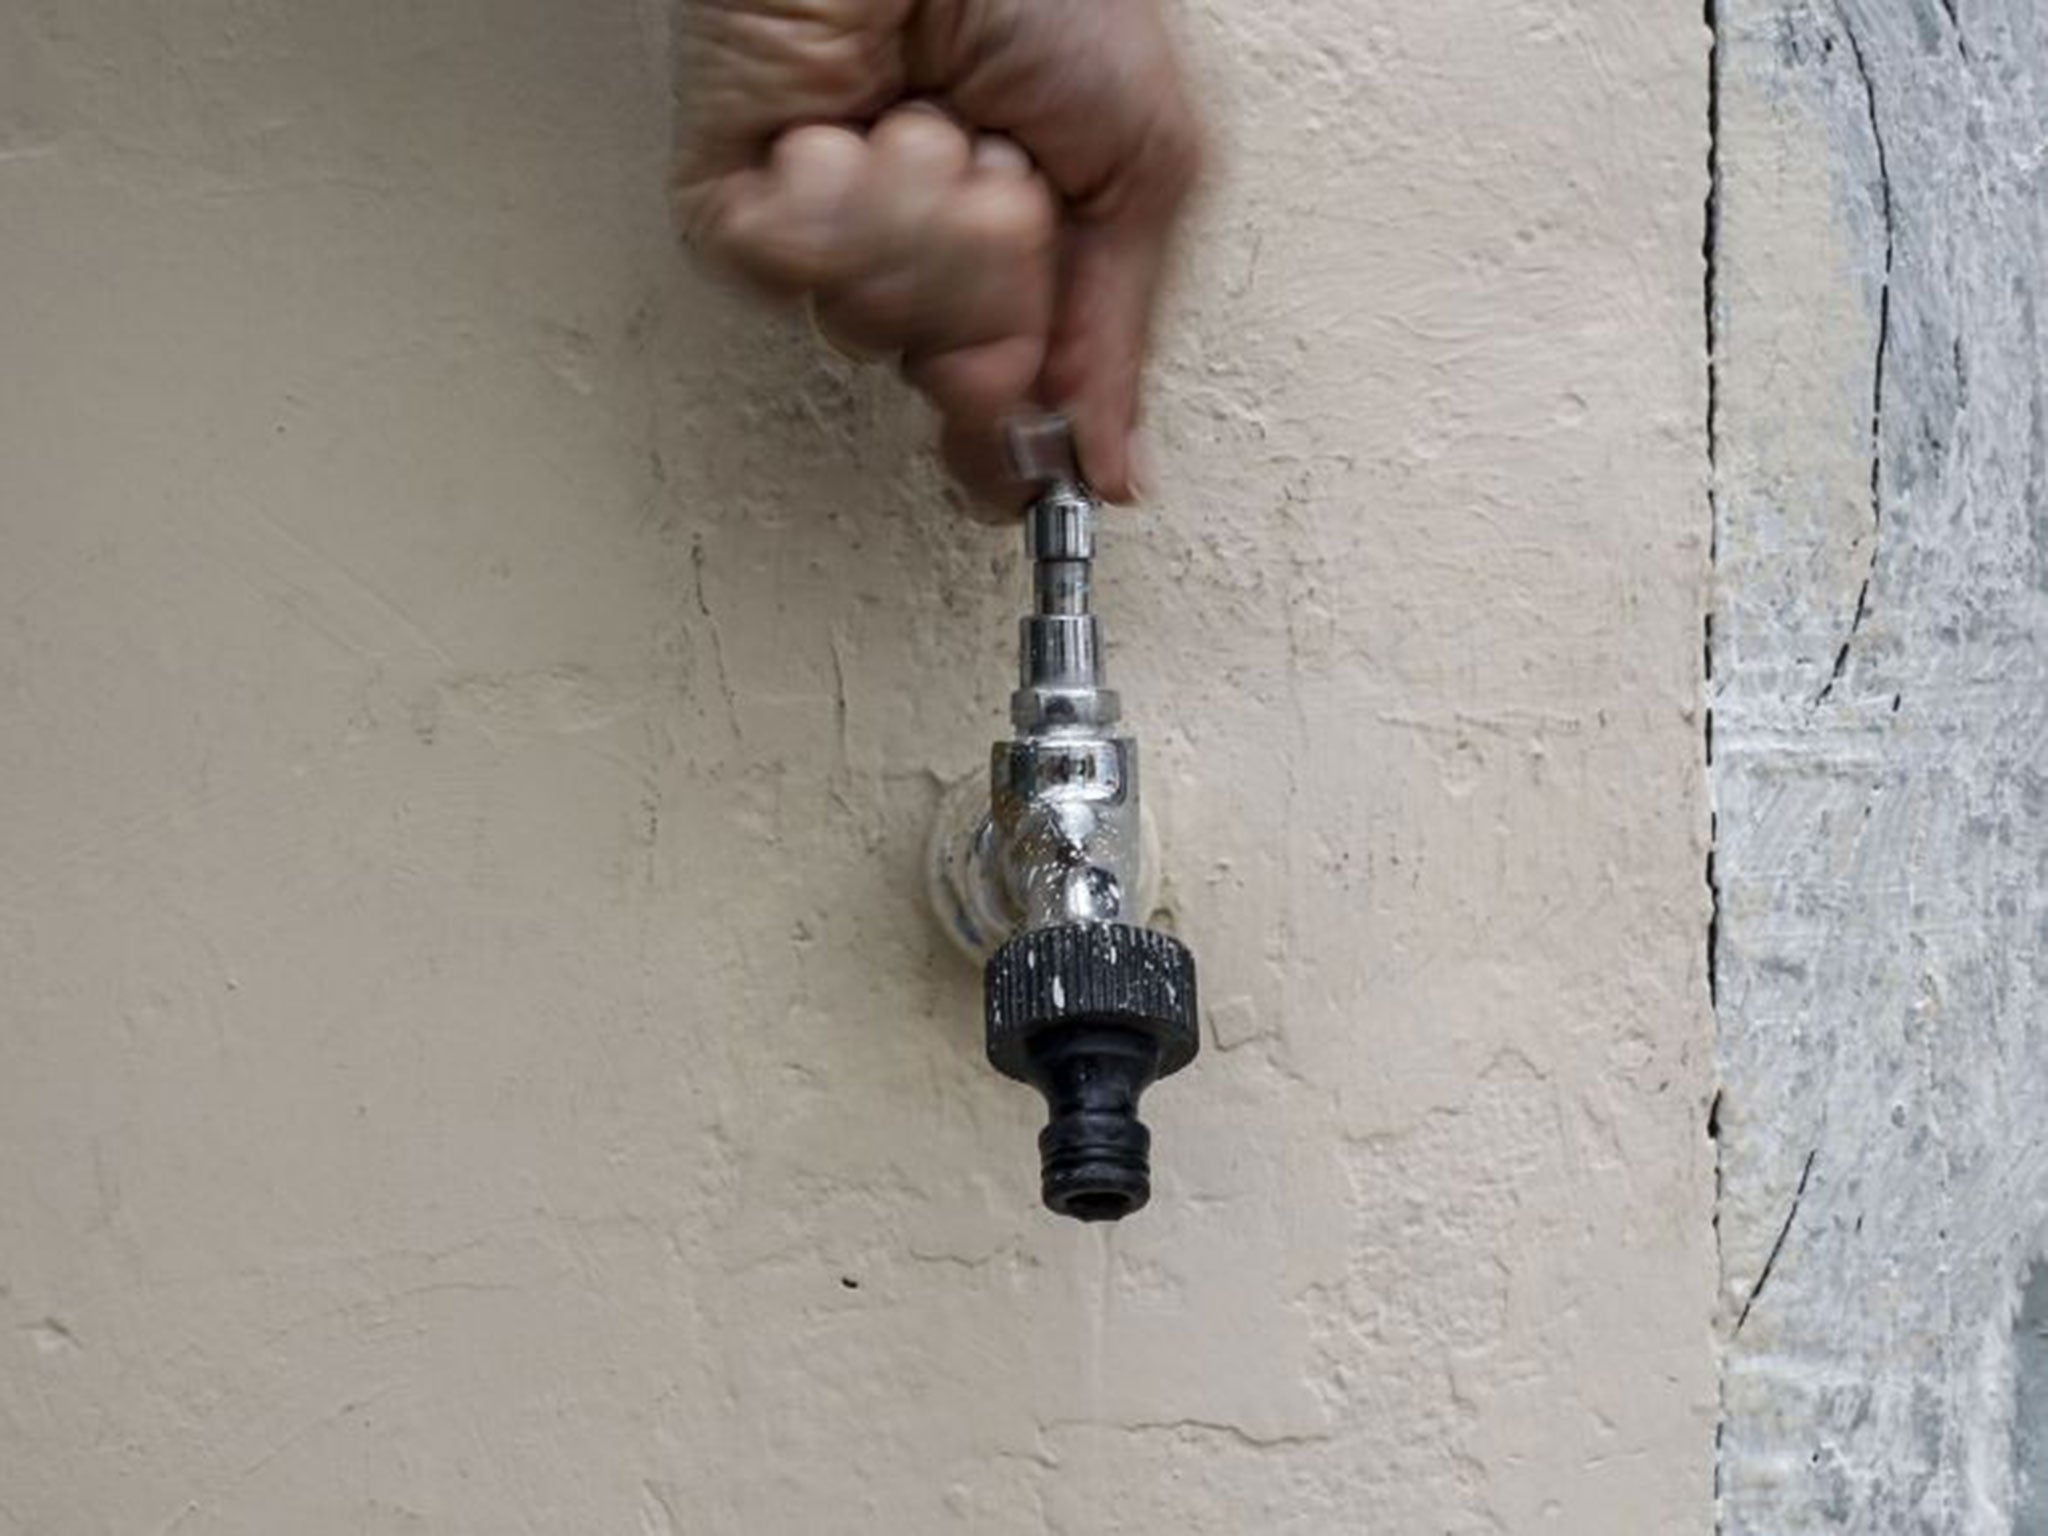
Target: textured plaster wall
(474, 1056)
(1880, 692)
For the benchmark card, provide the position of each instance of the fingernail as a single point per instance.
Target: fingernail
(1141, 465)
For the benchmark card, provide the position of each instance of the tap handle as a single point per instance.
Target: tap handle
(1059, 524)
(1042, 451)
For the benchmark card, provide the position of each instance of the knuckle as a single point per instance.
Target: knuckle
(1014, 221)
(778, 254)
(828, 157)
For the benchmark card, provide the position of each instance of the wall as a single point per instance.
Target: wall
(475, 1057)
(1880, 695)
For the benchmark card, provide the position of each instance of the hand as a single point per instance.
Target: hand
(987, 187)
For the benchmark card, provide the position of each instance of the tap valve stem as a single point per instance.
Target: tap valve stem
(1059, 651)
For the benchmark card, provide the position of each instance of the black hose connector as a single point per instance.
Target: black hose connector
(1091, 1014)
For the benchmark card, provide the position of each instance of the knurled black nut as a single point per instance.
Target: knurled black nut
(1098, 973)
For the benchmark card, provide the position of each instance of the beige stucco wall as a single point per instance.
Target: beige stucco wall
(474, 1057)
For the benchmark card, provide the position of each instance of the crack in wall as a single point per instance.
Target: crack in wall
(1884, 327)
(1955, 26)
(724, 677)
(1709, 254)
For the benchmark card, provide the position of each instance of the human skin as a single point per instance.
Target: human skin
(986, 189)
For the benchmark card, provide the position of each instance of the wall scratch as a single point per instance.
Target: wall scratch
(1884, 326)
(732, 708)
(1778, 1247)
(839, 706)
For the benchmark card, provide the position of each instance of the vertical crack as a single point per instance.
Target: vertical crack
(1955, 25)
(1709, 255)
(839, 707)
(1884, 330)
(1710, 239)
(1713, 915)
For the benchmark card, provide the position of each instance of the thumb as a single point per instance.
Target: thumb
(1116, 245)
(1102, 327)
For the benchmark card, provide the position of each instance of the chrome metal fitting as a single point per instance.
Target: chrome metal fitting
(1045, 875)
(1056, 835)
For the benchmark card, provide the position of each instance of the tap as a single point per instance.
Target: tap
(1046, 876)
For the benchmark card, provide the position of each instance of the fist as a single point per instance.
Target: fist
(983, 189)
